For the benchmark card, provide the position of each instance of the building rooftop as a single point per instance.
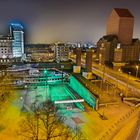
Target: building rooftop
(16, 26)
(5, 37)
(123, 12)
(110, 37)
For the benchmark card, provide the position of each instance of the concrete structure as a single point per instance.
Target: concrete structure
(78, 56)
(61, 52)
(6, 46)
(87, 75)
(88, 64)
(121, 23)
(76, 69)
(16, 30)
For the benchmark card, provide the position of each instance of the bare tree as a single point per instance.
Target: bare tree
(47, 124)
(77, 134)
(6, 90)
(28, 127)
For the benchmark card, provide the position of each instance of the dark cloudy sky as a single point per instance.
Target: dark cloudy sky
(64, 20)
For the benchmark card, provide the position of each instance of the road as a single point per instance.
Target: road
(138, 130)
(135, 134)
(117, 80)
(127, 81)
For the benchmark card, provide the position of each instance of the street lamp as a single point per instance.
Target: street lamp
(62, 67)
(103, 79)
(127, 83)
(100, 59)
(26, 95)
(137, 70)
(45, 81)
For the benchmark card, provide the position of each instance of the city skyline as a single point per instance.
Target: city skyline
(50, 21)
(69, 70)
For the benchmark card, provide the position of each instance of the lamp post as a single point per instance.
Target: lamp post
(100, 59)
(62, 67)
(127, 83)
(103, 79)
(45, 84)
(26, 95)
(137, 70)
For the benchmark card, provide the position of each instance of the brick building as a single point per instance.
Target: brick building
(120, 26)
(121, 23)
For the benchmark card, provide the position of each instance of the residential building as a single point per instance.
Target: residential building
(5, 48)
(61, 52)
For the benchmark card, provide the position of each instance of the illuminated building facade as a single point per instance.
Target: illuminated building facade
(61, 52)
(105, 48)
(16, 30)
(39, 52)
(5, 47)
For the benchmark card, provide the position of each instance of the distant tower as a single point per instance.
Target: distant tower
(16, 30)
(121, 23)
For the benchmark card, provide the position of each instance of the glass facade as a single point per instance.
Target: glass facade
(18, 39)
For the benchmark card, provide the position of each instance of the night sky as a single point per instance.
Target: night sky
(64, 20)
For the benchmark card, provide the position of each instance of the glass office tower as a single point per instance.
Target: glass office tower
(16, 30)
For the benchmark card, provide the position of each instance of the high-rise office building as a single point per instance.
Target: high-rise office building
(16, 30)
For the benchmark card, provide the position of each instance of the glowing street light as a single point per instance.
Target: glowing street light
(100, 59)
(137, 70)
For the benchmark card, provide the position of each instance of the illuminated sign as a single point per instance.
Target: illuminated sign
(69, 101)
